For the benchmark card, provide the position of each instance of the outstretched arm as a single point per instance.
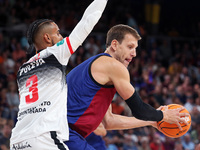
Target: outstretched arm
(118, 122)
(90, 17)
(106, 70)
(139, 109)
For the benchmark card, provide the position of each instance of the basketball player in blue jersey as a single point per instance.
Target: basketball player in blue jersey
(93, 83)
(42, 122)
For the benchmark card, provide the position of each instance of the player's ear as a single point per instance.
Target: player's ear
(47, 38)
(114, 44)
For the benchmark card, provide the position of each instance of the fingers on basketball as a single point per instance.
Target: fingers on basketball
(178, 129)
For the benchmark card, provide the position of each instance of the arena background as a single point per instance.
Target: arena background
(166, 69)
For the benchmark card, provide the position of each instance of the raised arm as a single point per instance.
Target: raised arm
(90, 17)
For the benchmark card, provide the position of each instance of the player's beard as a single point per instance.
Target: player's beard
(53, 43)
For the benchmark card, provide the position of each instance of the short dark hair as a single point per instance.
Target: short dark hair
(33, 29)
(118, 32)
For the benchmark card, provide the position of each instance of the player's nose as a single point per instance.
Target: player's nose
(133, 53)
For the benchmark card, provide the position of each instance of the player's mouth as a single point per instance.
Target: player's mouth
(128, 60)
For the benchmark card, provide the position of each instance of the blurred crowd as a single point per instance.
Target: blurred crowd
(165, 71)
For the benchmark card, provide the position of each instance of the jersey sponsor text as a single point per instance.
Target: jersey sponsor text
(31, 66)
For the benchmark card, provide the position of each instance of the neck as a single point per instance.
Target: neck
(109, 51)
(41, 46)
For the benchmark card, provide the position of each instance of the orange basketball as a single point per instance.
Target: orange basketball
(172, 130)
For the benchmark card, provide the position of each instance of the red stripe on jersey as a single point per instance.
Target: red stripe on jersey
(69, 45)
(94, 114)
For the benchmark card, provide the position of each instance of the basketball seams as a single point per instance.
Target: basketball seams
(172, 135)
(160, 123)
(174, 131)
(169, 134)
(173, 127)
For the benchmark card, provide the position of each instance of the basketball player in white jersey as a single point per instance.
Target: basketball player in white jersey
(42, 122)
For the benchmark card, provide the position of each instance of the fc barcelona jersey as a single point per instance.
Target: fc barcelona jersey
(88, 100)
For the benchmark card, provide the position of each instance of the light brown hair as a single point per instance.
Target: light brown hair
(118, 32)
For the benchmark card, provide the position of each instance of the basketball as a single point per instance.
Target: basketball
(172, 130)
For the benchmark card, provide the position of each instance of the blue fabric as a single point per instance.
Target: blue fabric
(78, 82)
(96, 141)
(88, 101)
(77, 142)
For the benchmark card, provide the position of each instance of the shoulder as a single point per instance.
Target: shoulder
(107, 68)
(108, 63)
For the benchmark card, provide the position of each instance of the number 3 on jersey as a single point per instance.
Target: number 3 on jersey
(32, 84)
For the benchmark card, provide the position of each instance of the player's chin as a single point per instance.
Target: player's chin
(126, 63)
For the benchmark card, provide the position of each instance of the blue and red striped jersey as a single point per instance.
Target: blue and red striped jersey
(88, 100)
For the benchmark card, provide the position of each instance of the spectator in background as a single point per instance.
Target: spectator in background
(128, 144)
(160, 75)
(4, 106)
(18, 53)
(187, 143)
(110, 144)
(130, 140)
(73, 60)
(195, 114)
(195, 131)
(166, 96)
(91, 46)
(145, 145)
(157, 144)
(165, 52)
(5, 136)
(174, 68)
(117, 107)
(8, 62)
(24, 43)
(178, 146)
(132, 22)
(13, 100)
(155, 57)
(189, 103)
(184, 73)
(176, 100)
(197, 147)
(167, 80)
(169, 143)
(158, 94)
(197, 103)
(180, 94)
(13, 43)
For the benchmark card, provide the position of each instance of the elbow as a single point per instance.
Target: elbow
(91, 21)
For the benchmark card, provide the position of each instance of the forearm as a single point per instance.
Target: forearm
(143, 111)
(90, 17)
(118, 122)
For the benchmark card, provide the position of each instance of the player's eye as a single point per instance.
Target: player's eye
(130, 47)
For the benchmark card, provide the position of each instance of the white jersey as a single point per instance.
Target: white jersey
(43, 93)
(42, 83)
